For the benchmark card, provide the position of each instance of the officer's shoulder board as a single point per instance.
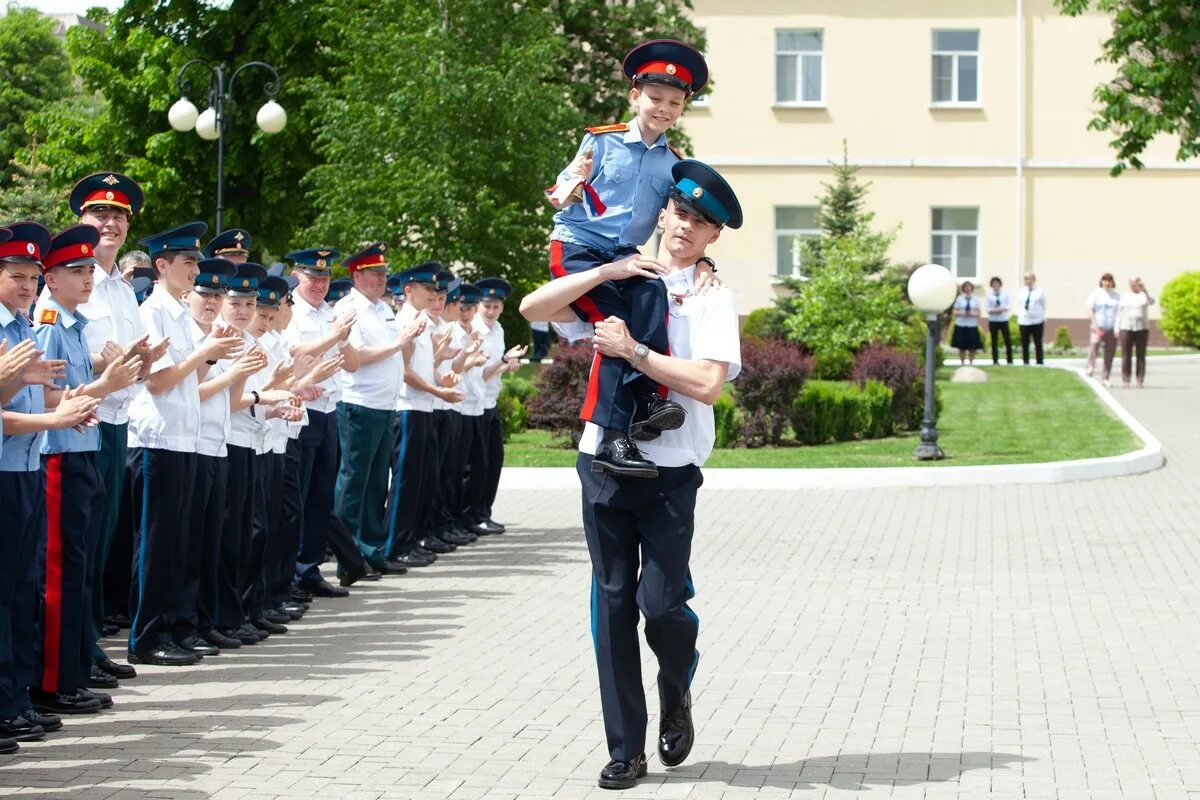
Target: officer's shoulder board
(48, 316)
(616, 127)
(678, 153)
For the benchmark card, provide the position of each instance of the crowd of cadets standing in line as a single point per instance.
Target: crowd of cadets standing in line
(180, 462)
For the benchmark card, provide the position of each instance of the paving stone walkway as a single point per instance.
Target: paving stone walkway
(1006, 642)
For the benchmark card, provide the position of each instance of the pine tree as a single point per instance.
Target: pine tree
(31, 195)
(840, 212)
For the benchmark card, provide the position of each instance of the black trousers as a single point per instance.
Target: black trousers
(111, 466)
(268, 488)
(476, 469)
(613, 385)
(290, 516)
(1001, 328)
(450, 471)
(639, 536)
(74, 502)
(407, 504)
(493, 442)
(162, 482)
(1034, 333)
(236, 544)
(208, 530)
(22, 498)
(319, 527)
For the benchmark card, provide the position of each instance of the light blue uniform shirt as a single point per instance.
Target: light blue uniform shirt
(64, 339)
(21, 453)
(632, 180)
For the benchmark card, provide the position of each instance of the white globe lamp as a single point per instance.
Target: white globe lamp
(206, 125)
(182, 115)
(271, 117)
(932, 289)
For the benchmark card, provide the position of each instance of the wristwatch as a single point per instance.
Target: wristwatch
(639, 352)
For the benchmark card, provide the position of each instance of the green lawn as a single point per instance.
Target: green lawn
(1019, 416)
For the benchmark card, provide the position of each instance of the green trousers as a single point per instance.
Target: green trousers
(365, 435)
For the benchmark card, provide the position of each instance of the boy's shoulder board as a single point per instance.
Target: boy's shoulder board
(678, 153)
(616, 127)
(48, 316)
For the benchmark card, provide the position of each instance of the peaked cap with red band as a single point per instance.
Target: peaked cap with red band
(30, 241)
(667, 62)
(107, 189)
(370, 258)
(74, 247)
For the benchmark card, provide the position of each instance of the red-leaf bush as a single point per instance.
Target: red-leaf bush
(901, 372)
(559, 391)
(773, 373)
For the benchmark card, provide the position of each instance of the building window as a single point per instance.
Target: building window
(956, 67)
(793, 224)
(799, 68)
(955, 241)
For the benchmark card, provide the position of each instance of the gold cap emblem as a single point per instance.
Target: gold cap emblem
(382, 247)
(216, 279)
(197, 244)
(83, 248)
(238, 237)
(109, 196)
(697, 193)
(323, 253)
(272, 295)
(245, 283)
(671, 69)
(112, 180)
(321, 263)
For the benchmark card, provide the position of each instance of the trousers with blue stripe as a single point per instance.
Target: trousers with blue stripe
(639, 537)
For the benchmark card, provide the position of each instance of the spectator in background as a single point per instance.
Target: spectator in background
(134, 263)
(1031, 317)
(966, 312)
(541, 340)
(1102, 316)
(998, 314)
(1133, 326)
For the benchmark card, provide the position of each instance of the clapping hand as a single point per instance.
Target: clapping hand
(43, 372)
(13, 362)
(77, 410)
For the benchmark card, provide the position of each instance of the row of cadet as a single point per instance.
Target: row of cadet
(181, 461)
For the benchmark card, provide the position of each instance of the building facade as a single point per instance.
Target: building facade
(968, 120)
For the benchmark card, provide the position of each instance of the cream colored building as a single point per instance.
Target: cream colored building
(969, 120)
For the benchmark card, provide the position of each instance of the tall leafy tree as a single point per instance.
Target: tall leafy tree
(33, 73)
(1156, 90)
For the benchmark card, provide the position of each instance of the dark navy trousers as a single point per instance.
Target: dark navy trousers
(639, 537)
(208, 529)
(22, 501)
(483, 479)
(319, 526)
(407, 506)
(614, 386)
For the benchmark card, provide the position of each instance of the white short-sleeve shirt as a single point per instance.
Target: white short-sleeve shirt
(422, 362)
(375, 385)
(997, 300)
(472, 382)
(214, 412)
(112, 315)
(310, 324)
(965, 303)
(248, 427)
(493, 348)
(170, 420)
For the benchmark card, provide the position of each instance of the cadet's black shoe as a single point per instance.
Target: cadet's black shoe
(99, 679)
(199, 645)
(372, 575)
(661, 415)
(107, 630)
(323, 588)
(390, 567)
(623, 774)
(120, 620)
(487, 528)
(454, 538)
(63, 702)
(412, 560)
(436, 545)
(49, 722)
(264, 624)
(301, 596)
(20, 729)
(676, 735)
(423, 553)
(122, 672)
(496, 525)
(294, 610)
(278, 617)
(618, 455)
(8, 746)
(165, 655)
(105, 700)
(246, 631)
(220, 640)
(348, 576)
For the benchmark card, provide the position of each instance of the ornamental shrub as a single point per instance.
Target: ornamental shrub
(900, 372)
(514, 418)
(764, 323)
(876, 411)
(725, 419)
(836, 410)
(1062, 340)
(773, 373)
(1181, 309)
(832, 363)
(559, 391)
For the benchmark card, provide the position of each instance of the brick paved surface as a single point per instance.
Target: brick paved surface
(1015, 642)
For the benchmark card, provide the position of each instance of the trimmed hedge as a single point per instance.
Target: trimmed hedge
(837, 411)
(725, 419)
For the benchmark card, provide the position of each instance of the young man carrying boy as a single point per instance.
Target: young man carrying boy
(620, 177)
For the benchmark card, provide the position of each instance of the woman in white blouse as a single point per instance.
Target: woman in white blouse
(1133, 327)
(1102, 318)
(966, 338)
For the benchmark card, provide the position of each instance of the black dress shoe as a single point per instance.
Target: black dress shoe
(372, 575)
(325, 589)
(454, 538)
(390, 567)
(496, 526)
(623, 774)
(247, 634)
(107, 630)
(199, 645)
(278, 617)
(436, 545)
(301, 596)
(423, 553)
(120, 620)
(264, 624)
(471, 536)
(220, 640)
(676, 734)
(412, 560)
(8, 746)
(99, 679)
(105, 700)
(165, 655)
(122, 672)
(618, 455)
(49, 722)
(20, 729)
(63, 703)
(294, 610)
(661, 415)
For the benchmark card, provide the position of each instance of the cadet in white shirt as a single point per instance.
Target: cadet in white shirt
(1031, 317)
(471, 444)
(164, 434)
(367, 413)
(651, 520)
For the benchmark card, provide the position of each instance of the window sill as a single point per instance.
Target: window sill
(777, 280)
(955, 106)
(812, 105)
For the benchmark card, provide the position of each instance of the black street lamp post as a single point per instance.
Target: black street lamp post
(931, 289)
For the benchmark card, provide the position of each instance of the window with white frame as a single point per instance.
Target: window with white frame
(799, 67)
(700, 101)
(955, 241)
(956, 67)
(793, 224)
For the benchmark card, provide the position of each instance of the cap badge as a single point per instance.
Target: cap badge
(272, 295)
(29, 248)
(245, 283)
(697, 193)
(112, 180)
(320, 263)
(238, 236)
(671, 69)
(216, 279)
(109, 196)
(83, 248)
(197, 244)
(323, 253)
(382, 247)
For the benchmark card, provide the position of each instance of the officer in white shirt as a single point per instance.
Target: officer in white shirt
(654, 517)
(316, 332)
(164, 435)
(367, 412)
(1031, 317)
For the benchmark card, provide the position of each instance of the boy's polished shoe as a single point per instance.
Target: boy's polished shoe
(623, 774)
(220, 640)
(20, 729)
(618, 455)
(300, 596)
(8, 746)
(49, 722)
(413, 559)
(264, 624)
(676, 734)
(661, 415)
(105, 700)
(122, 672)
(324, 588)
(63, 702)
(199, 645)
(435, 545)
(99, 679)
(165, 655)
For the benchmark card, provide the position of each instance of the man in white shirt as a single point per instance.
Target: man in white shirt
(625, 516)
(1031, 317)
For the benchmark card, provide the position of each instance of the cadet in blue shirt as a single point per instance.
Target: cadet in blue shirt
(609, 199)
(75, 494)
